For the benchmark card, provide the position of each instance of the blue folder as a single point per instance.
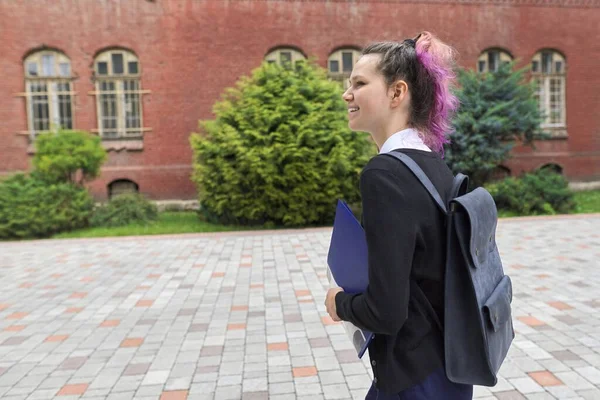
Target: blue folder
(349, 264)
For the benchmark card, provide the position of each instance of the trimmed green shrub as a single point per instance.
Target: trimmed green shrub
(125, 209)
(279, 151)
(68, 156)
(540, 192)
(30, 207)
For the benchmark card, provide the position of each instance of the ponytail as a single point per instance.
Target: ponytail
(437, 59)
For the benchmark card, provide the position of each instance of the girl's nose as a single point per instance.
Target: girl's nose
(347, 96)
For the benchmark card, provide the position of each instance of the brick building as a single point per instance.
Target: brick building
(142, 73)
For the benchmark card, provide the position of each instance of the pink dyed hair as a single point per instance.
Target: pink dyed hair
(437, 59)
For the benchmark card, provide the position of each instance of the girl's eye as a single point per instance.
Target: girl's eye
(359, 83)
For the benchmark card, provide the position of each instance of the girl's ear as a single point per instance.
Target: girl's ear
(398, 92)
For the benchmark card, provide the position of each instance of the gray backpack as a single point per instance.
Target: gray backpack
(477, 323)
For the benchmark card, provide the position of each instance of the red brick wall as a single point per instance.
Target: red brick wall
(190, 50)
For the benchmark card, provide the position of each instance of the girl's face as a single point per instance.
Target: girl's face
(368, 97)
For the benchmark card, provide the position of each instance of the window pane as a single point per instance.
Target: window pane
(64, 105)
(130, 85)
(285, 56)
(102, 68)
(132, 106)
(32, 69)
(542, 95)
(555, 100)
(108, 109)
(535, 66)
(481, 66)
(48, 65)
(334, 66)
(347, 62)
(41, 121)
(66, 118)
(493, 58)
(39, 107)
(546, 63)
(64, 69)
(117, 63)
(37, 87)
(558, 66)
(133, 67)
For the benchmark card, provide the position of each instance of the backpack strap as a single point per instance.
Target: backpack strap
(459, 186)
(418, 172)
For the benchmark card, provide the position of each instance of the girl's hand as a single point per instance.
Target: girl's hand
(330, 303)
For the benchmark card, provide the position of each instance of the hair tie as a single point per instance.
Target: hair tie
(411, 42)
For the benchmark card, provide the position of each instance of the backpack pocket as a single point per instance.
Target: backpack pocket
(497, 306)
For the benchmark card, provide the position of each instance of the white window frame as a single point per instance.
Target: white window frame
(341, 75)
(51, 80)
(274, 56)
(544, 82)
(120, 81)
(503, 57)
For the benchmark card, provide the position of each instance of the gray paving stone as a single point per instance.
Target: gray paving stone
(156, 377)
(229, 380)
(510, 395)
(149, 391)
(283, 397)
(481, 392)
(562, 392)
(255, 385)
(540, 396)
(336, 391)
(121, 396)
(590, 373)
(181, 383)
(281, 388)
(574, 380)
(229, 392)
(589, 394)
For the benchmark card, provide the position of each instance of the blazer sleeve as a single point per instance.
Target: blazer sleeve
(390, 226)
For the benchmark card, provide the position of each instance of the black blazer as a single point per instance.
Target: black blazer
(406, 240)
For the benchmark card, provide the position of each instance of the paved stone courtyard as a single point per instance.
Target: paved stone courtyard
(241, 316)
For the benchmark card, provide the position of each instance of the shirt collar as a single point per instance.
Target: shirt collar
(404, 139)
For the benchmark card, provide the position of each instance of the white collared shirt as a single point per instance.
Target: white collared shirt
(405, 139)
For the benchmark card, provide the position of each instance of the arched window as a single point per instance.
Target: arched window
(48, 88)
(499, 172)
(122, 186)
(548, 69)
(340, 64)
(118, 94)
(491, 59)
(284, 55)
(556, 168)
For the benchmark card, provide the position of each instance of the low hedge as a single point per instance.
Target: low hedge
(537, 193)
(125, 209)
(32, 208)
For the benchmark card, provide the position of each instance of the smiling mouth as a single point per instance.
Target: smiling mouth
(353, 109)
